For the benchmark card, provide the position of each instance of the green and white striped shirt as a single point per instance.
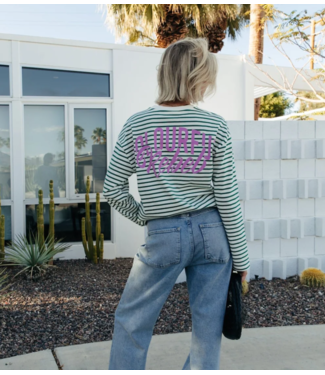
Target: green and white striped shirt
(184, 161)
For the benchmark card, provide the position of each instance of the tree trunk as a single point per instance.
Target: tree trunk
(215, 34)
(256, 43)
(172, 29)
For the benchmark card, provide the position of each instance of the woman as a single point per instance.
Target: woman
(177, 150)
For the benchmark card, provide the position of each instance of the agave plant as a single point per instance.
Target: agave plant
(33, 255)
(3, 277)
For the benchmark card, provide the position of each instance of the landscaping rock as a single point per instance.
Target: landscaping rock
(75, 304)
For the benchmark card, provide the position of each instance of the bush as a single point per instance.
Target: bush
(312, 277)
(31, 255)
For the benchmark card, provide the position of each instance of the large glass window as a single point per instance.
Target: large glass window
(44, 150)
(4, 153)
(52, 82)
(90, 149)
(4, 80)
(67, 221)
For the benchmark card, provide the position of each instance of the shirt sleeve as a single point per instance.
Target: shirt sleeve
(226, 194)
(116, 184)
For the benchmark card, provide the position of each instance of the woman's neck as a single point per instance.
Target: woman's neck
(174, 104)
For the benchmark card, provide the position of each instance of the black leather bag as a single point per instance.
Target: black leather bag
(235, 314)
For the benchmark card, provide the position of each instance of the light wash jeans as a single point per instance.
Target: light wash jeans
(195, 241)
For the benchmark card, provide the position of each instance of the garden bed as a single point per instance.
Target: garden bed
(75, 304)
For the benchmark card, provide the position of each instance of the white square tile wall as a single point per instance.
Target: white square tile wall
(306, 168)
(320, 129)
(271, 169)
(289, 130)
(271, 129)
(306, 207)
(253, 170)
(320, 168)
(306, 129)
(320, 207)
(289, 168)
(281, 172)
(289, 207)
(271, 208)
(253, 130)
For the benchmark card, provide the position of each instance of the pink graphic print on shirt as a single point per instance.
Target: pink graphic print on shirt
(149, 158)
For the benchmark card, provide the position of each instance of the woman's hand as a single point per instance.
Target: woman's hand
(243, 275)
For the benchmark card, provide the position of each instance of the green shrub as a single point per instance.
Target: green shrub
(33, 256)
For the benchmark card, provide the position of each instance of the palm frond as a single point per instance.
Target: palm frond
(138, 20)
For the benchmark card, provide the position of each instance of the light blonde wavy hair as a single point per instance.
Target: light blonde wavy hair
(187, 72)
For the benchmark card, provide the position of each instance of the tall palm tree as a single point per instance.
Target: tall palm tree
(256, 43)
(160, 25)
(80, 140)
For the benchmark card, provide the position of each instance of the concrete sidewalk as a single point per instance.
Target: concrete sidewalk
(274, 348)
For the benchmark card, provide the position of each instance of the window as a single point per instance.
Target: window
(5, 190)
(52, 82)
(66, 143)
(89, 149)
(67, 220)
(4, 80)
(44, 150)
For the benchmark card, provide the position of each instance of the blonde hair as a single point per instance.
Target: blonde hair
(186, 68)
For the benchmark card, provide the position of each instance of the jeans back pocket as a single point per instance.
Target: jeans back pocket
(162, 247)
(216, 246)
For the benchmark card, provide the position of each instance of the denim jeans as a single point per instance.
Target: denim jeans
(196, 241)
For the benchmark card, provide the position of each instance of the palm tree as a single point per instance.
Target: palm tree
(256, 43)
(160, 25)
(99, 136)
(80, 140)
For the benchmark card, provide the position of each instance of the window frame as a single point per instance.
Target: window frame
(9, 202)
(8, 64)
(69, 105)
(66, 98)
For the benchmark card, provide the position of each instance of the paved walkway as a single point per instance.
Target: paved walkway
(274, 348)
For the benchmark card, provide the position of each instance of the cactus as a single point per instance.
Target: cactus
(2, 238)
(40, 218)
(245, 287)
(51, 215)
(52, 212)
(101, 252)
(84, 240)
(312, 277)
(93, 252)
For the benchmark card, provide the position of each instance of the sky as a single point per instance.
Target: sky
(86, 22)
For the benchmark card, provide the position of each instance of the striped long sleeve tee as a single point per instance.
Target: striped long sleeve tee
(184, 161)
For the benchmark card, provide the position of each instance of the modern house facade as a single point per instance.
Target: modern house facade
(62, 106)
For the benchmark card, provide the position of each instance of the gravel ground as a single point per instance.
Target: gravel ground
(75, 304)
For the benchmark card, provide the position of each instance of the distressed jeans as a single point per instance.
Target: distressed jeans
(195, 241)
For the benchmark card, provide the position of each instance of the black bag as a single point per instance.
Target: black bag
(235, 314)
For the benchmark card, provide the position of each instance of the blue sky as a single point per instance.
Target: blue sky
(85, 22)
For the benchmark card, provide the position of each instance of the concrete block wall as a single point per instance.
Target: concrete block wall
(281, 178)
